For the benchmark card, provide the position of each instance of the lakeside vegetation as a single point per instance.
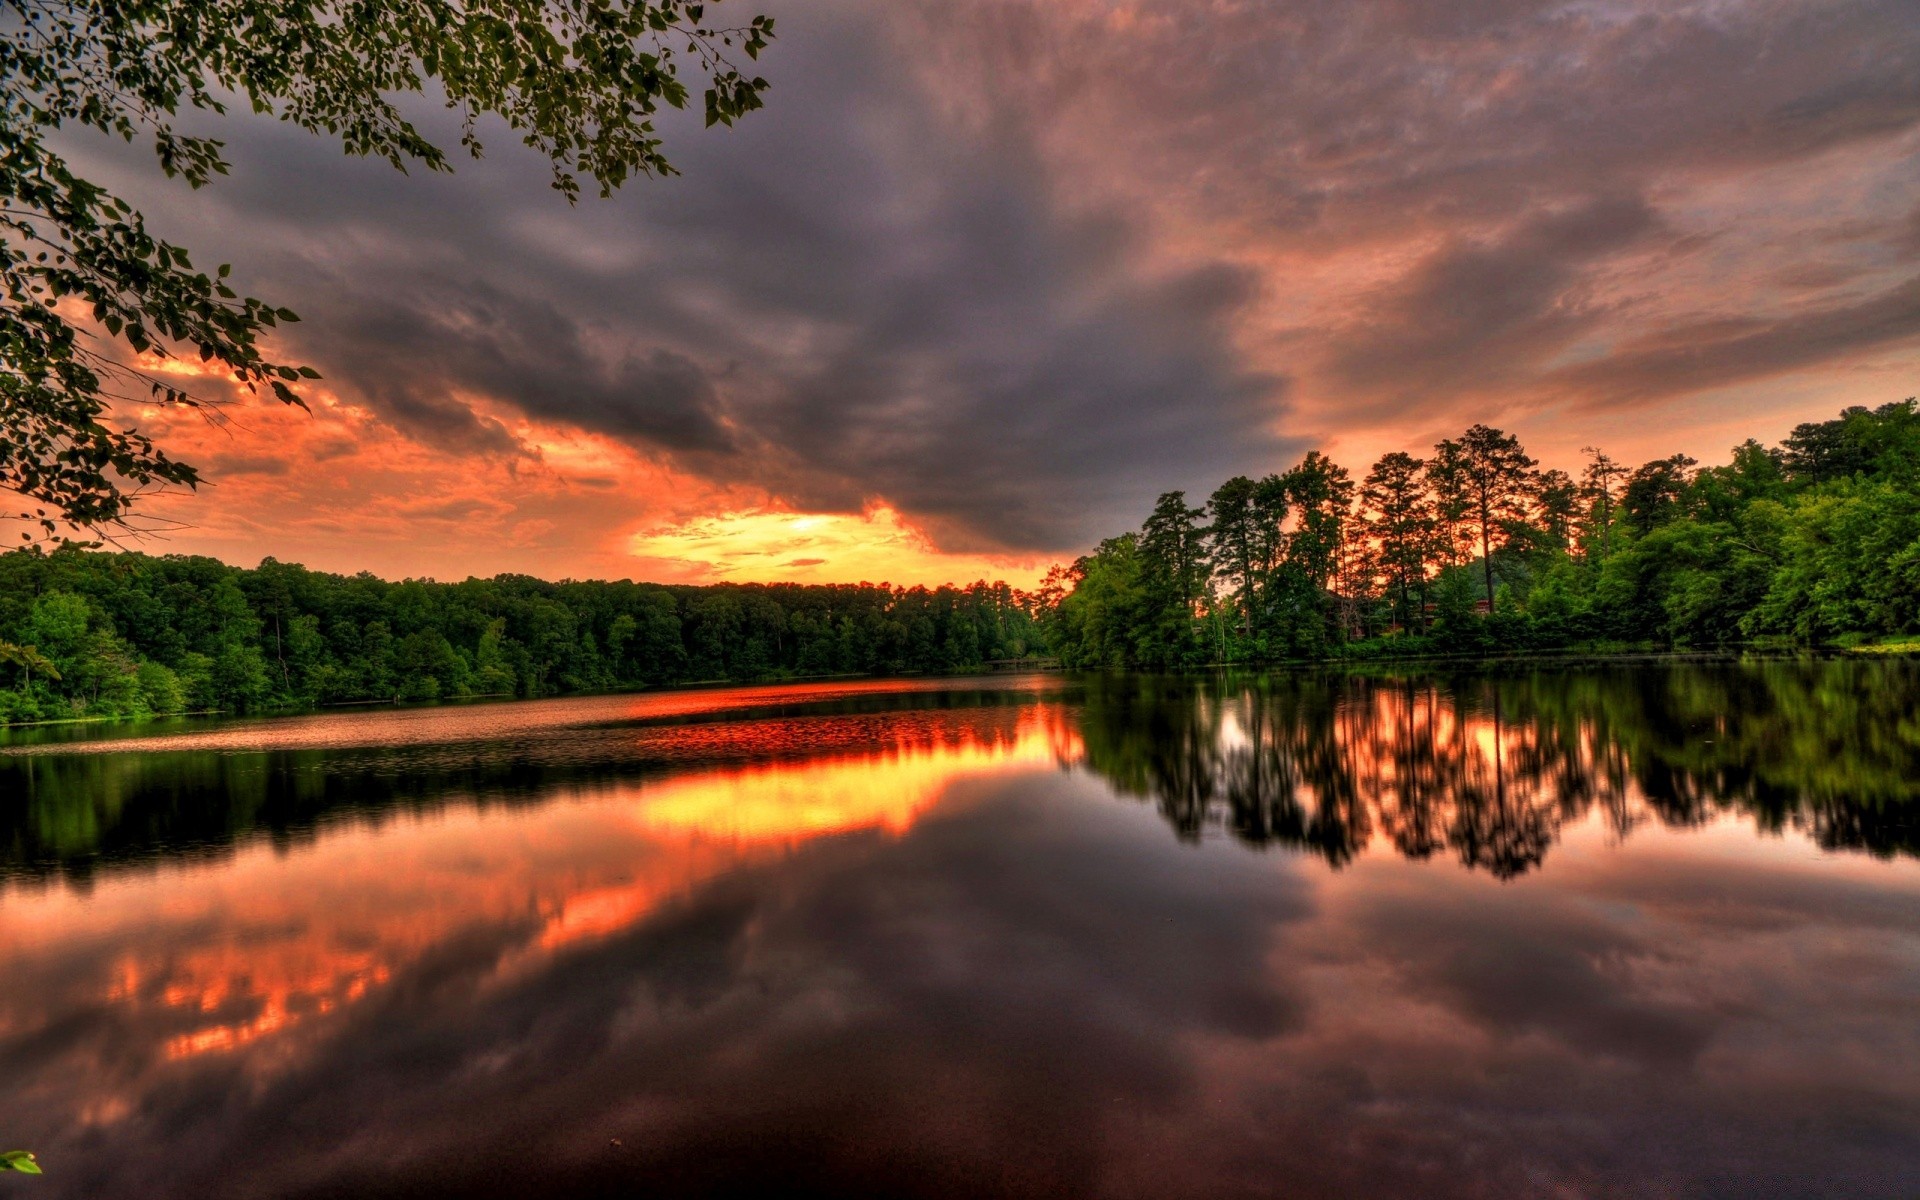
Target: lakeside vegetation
(1475, 550)
(86, 633)
(1471, 551)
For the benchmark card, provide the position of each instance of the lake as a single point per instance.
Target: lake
(1625, 930)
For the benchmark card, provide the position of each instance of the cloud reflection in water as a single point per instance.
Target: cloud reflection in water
(886, 946)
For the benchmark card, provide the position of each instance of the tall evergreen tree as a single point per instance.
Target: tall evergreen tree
(1404, 531)
(1495, 473)
(1600, 491)
(1175, 570)
(1233, 542)
(1556, 503)
(1447, 481)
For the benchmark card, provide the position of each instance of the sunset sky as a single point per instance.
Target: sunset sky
(988, 275)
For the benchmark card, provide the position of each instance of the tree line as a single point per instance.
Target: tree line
(86, 633)
(1471, 549)
(1474, 548)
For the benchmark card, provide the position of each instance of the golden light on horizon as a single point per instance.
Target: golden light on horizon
(782, 804)
(776, 545)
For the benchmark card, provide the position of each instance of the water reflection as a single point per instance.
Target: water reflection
(901, 940)
(1484, 767)
(1490, 767)
(79, 807)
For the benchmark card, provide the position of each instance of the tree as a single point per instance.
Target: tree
(28, 659)
(1600, 488)
(1321, 494)
(1174, 571)
(1447, 480)
(1245, 539)
(1556, 500)
(87, 285)
(1723, 493)
(1494, 477)
(1097, 622)
(1885, 440)
(1401, 522)
(1654, 492)
(1821, 451)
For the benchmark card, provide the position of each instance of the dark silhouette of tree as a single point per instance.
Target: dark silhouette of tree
(1236, 540)
(1402, 525)
(1556, 500)
(1494, 478)
(1600, 490)
(1777, 541)
(1447, 480)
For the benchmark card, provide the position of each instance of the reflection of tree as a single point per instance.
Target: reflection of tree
(1493, 766)
(1489, 767)
(72, 814)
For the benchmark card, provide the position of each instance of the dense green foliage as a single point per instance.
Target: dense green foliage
(86, 633)
(1475, 550)
(84, 284)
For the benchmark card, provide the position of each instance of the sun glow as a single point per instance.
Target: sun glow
(767, 545)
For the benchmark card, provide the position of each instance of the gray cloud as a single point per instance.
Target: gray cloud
(1480, 312)
(855, 296)
(1005, 265)
(247, 464)
(1706, 354)
(416, 352)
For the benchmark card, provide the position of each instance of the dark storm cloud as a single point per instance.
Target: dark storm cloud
(1004, 264)
(1437, 145)
(1390, 112)
(415, 352)
(857, 295)
(1479, 312)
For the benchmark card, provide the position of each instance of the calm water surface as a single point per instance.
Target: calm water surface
(1632, 931)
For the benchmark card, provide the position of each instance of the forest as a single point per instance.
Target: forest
(85, 633)
(1470, 550)
(1473, 549)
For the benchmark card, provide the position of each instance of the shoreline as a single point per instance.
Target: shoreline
(1562, 658)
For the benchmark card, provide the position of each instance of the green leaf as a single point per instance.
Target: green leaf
(19, 1160)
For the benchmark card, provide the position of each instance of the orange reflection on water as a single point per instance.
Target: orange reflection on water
(755, 810)
(888, 790)
(257, 951)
